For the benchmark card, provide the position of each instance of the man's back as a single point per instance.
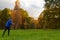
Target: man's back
(8, 23)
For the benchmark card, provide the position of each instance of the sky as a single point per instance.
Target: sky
(33, 7)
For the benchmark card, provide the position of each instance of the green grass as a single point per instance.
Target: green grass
(31, 34)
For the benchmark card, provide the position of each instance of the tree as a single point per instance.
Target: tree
(24, 15)
(51, 15)
(52, 4)
(0, 18)
(4, 17)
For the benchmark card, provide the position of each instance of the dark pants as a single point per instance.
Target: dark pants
(7, 28)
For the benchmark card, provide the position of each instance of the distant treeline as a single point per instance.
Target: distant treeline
(5, 14)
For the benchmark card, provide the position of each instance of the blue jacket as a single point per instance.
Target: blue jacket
(8, 23)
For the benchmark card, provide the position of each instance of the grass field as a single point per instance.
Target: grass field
(32, 34)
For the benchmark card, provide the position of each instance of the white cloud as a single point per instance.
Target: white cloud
(34, 2)
(34, 11)
(34, 7)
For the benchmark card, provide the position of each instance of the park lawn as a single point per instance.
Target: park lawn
(32, 34)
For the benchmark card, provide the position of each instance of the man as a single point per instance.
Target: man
(7, 25)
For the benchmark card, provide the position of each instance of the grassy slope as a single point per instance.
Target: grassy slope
(32, 34)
